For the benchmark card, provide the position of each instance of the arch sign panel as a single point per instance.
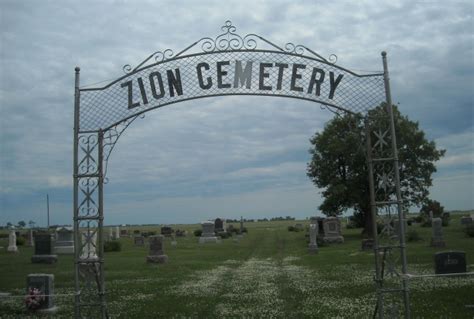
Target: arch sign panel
(229, 64)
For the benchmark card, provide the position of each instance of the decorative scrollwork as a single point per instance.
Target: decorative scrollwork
(88, 147)
(230, 40)
(111, 137)
(296, 49)
(88, 206)
(159, 56)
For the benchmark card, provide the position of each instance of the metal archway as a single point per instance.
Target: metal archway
(228, 64)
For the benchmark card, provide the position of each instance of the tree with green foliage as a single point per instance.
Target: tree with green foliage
(432, 206)
(21, 224)
(339, 167)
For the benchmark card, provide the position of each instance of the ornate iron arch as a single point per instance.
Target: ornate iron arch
(228, 64)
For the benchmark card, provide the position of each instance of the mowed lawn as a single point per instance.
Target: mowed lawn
(267, 274)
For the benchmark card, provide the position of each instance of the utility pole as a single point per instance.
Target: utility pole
(47, 206)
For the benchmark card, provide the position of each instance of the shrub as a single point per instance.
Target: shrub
(20, 241)
(292, 228)
(413, 235)
(149, 233)
(234, 230)
(112, 246)
(244, 230)
(224, 234)
(469, 230)
(352, 225)
(432, 206)
(198, 232)
(426, 223)
(136, 231)
(418, 219)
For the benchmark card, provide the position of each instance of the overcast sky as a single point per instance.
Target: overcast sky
(225, 156)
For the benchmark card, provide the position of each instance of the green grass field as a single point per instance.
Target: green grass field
(267, 274)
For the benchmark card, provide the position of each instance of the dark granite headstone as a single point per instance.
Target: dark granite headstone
(124, 233)
(45, 284)
(466, 220)
(218, 225)
(44, 249)
(156, 254)
(180, 233)
(450, 262)
(166, 231)
(139, 240)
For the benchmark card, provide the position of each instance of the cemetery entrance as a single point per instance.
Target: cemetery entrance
(230, 64)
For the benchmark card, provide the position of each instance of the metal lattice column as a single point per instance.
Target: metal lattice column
(386, 202)
(88, 218)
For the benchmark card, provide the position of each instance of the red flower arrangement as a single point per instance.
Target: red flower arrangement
(34, 299)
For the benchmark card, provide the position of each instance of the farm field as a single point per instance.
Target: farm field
(267, 274)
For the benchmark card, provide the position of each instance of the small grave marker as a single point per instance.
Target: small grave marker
(156, 254)
(40, 293)
(450, 262)
(139, 241)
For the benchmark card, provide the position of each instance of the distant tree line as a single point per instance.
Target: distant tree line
(229, 220)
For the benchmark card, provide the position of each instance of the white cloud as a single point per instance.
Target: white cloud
(219, 143)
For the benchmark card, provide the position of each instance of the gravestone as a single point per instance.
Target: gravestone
(40, 293)
(180, 233)
(64, 240)
(30, 238)
(111, 234)
(208, 235)
(332, 230)
(299, 226)
(89, 247)
(44, 249)
(241, 224)
(156, 254)
(124, 233)
(437, 236)
(451, 262)
(117, 232)
(218, 225)
(313, 234)
(139, 240)
(166, 231)
(466, 220)
(367, 244)
(12, 242)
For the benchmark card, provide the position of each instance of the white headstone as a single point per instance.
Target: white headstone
(12, 242)
(208, 235)
(437, 237)
(31, 241)
(89, 245)
(117, 232)
(64, 240)
(313, 234)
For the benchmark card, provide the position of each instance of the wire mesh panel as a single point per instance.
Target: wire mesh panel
(228, 65)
